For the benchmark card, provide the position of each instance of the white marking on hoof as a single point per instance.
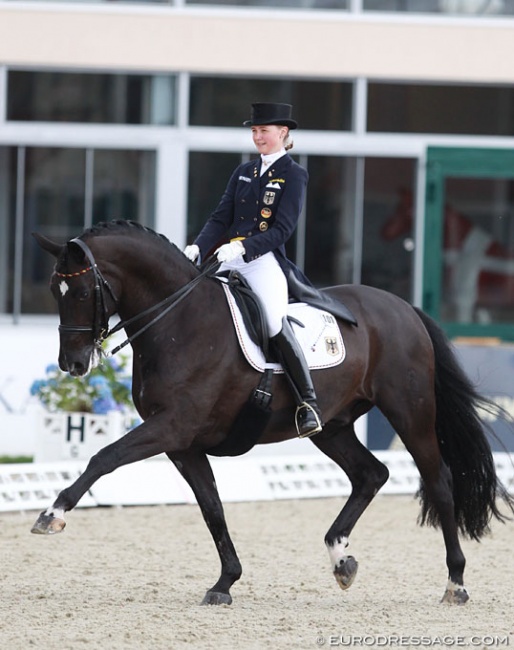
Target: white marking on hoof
(48, 524)
(455, 594)
(58, 513)
(336, 551)
(344, 566)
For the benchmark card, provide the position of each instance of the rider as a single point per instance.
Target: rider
(257, 214)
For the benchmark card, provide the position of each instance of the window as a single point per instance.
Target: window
(290, 4)
(324, 243)
(208, 176)
(330, 223)
(59, 192)
(226, 101)
(90, 98)
(457, 109)
(388, 240)
(449, 7)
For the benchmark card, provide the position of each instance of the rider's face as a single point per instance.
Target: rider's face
(269, 138)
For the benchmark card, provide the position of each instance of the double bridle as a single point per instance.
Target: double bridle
(100, 326)
(101, 318)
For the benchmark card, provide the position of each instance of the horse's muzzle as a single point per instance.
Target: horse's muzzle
(76, 364)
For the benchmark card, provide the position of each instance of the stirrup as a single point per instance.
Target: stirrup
(317, 427)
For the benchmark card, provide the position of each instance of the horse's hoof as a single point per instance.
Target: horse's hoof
(455, 594)
(346, 571)
(216, 598)
(48, 525)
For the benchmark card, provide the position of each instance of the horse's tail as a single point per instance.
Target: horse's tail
(463, 443)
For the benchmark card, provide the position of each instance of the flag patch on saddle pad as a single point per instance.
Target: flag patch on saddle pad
(320, 337)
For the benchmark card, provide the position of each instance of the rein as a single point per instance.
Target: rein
(170, 302)
(100, 327)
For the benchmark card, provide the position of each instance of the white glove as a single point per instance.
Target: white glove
(192, 252)
(230, 252)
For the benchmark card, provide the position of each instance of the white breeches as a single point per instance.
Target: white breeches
(268, 281)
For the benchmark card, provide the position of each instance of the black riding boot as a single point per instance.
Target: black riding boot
(290, 354)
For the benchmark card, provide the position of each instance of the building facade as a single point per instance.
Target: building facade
(133, 110)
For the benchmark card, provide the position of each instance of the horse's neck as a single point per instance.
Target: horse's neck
(146, 281)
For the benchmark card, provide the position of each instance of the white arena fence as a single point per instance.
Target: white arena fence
(253, 477)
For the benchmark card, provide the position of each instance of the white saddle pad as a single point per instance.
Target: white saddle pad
(320, 338)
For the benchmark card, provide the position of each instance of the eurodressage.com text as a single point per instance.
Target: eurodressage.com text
(396, 640)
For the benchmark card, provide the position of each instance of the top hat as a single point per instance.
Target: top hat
(269, 113)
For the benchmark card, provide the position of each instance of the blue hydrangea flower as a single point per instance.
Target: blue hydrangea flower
(37, 385)
(103, 405)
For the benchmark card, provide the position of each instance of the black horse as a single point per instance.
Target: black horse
(190, 382)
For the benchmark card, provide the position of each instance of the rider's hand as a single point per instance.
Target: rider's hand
(230, 252)
(192, 252)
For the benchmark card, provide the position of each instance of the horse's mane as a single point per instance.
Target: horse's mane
(130, 228)
(107, 227)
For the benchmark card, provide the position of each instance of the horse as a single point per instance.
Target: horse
(190, 381)
(479, 271)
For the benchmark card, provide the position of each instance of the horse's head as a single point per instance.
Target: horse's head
(85, 302)
(401, 220)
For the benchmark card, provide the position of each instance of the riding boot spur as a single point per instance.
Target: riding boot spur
(286, 347)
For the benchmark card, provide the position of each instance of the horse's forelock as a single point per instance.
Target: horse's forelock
(64, 262)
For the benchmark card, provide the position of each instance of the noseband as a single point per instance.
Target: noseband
(101, 317)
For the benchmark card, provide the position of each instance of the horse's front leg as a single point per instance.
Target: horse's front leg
(144, 441)
(197, 471)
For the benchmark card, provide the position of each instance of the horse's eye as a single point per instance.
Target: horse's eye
(84, 295)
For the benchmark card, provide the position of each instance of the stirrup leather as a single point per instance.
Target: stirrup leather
(315, 429)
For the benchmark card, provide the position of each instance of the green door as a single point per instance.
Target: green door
(468, 263)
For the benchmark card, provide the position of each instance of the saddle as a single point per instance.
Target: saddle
(256, 412)
(251, 309)
(253, 313)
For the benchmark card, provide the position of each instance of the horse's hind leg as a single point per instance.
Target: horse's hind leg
(367, 475)
(437, 492)
(197, 471)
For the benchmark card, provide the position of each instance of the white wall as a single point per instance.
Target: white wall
(26, 350)
(219, 40)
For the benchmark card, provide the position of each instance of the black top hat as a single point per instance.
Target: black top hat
(269, 113)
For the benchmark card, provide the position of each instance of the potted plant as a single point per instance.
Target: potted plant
(83, 414)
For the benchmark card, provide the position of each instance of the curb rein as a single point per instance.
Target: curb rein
(100, 327)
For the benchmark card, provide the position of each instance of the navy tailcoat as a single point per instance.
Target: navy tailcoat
(262, 211)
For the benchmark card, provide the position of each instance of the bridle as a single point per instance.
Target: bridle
(100, 326)
(101, 316)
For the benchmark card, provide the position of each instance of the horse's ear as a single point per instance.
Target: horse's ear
(48, 245)
(75, 252)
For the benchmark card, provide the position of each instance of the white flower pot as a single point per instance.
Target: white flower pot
(76, 436)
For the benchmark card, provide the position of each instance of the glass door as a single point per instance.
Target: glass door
(468, 279)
